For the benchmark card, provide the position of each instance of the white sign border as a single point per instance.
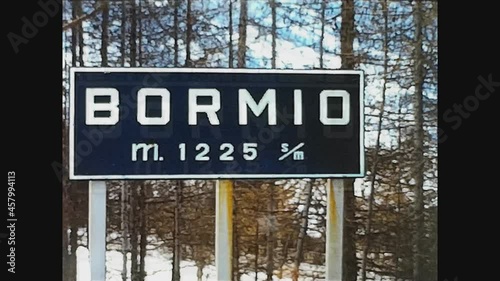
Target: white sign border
(71, 163)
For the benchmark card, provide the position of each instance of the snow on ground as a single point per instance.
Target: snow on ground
(159, 268)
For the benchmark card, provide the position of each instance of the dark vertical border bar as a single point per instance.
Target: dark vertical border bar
(31, 137)
(468, 56)
(448, 220)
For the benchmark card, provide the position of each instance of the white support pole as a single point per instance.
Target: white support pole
(224, 229)
(334, 229)
(97, 230)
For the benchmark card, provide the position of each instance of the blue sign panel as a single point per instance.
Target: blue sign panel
(157, 123)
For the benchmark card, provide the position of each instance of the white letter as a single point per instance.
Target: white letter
(210, 110)
(164, 94)
(111, 107)
(246, 100)
(297, 107)
(323, 107)
(145, 149)
(249, 151)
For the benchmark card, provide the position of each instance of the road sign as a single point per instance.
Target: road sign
(160, 123)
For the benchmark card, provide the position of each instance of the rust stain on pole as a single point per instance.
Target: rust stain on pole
(334, 229)
(332, 210)
(224, 229)
(226, 197)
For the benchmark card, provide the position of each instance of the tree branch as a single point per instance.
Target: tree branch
(77, 21)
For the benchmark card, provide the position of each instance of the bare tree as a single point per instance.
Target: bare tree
(257, 248)
(242, 30)
(123, 33)
(418, 103)
(124, 227)
(303, 232)
(74, 38)
(176, 261)
(273, 33)
(143, 231)
(133, 33)
(79, 12)
(271, 220)
(176, 33)
(72, 240)
(189, 33)
(375, 157)
(134, 264)
(347, 34)
(322, 36)
(105, 31)
(139, 34)
(230, 45)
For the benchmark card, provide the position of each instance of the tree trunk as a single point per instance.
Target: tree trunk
(256, 261)
(104, 36)
(285, 255)
(350, 264)
(199, 271)
(230, 45)
(189, 34)
(242, 30)
(400, 240)
(419, 146)
(176, 261)
(143, 232)
(73, 244)
(273, 34)
(74, 36)
(124, 226)
(347, 33)
(139, 34)
(270, 234)
(65, 247)
(134, 266)
(123, 30)
(78, 9)
(66, 201)
(69, 258)
(302, 234)
(373, 172)
(397, 246)
(176, 33)
(322, 37)
(133, 34)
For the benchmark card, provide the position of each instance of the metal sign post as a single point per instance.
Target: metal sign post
(97, 230)
(334, 229)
